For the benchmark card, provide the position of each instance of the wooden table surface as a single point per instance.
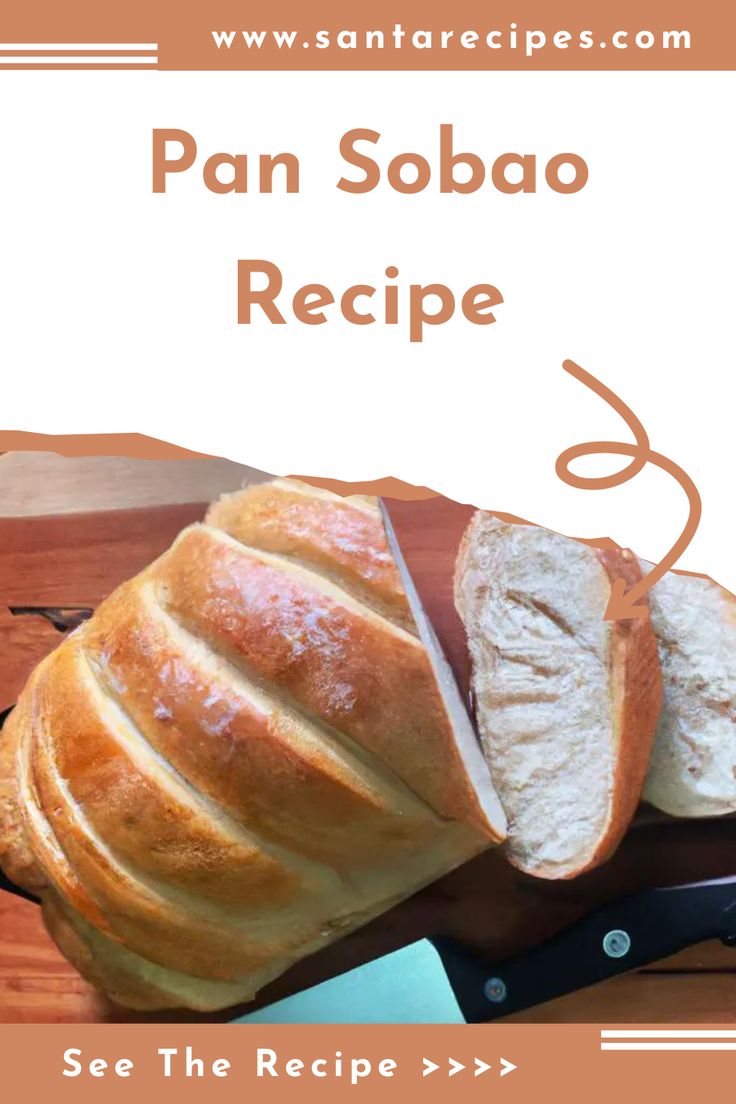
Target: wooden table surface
(88, 544)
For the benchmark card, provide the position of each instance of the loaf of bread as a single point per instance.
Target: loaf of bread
(249, 750)
(693, 766)
(566, 702)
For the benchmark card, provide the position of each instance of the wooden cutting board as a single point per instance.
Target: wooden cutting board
(74, 561)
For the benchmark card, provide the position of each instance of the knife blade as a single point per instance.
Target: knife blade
(374, 993)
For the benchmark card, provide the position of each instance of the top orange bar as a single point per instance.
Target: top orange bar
(326, 35)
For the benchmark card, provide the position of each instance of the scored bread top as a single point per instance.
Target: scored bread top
(343, 538)
(566, 702)
(244, 753)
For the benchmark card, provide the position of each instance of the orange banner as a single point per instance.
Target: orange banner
(297, 1063)
(384, 35)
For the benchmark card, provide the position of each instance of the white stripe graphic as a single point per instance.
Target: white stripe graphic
(61, 46)
(703, 1044)
(667, 1034)
(668, 1039)
(66, 59)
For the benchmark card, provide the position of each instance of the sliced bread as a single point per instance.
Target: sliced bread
(693, 765)
(566, 702)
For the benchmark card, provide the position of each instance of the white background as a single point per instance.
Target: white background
(118, 307)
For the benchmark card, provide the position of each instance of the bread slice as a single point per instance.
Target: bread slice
(693, 766)
(566, 702)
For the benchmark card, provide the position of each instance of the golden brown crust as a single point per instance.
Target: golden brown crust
(351, 669)
(145, 813)
(17, 857)
(265, 764)
(112, 976)
(242, 755)
(341, 537)
(127, 978)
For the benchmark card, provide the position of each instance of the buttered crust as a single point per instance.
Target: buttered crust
(241, 756)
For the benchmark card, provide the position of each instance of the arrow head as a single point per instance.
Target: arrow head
(429, 1067)
(480, 1067)
(621, 605)
(455, 1067)
(506, 1067)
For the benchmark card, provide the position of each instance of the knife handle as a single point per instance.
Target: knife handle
(621, 936)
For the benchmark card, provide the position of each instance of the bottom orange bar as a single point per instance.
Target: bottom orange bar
(336, 1063)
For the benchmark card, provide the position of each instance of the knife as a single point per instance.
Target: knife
(441, 981)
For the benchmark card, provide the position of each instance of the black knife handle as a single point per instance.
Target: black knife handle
(621, 936)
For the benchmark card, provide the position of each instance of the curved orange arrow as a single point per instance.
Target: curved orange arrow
(623, 604)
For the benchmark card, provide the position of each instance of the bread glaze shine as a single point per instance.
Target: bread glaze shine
(244, 754)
